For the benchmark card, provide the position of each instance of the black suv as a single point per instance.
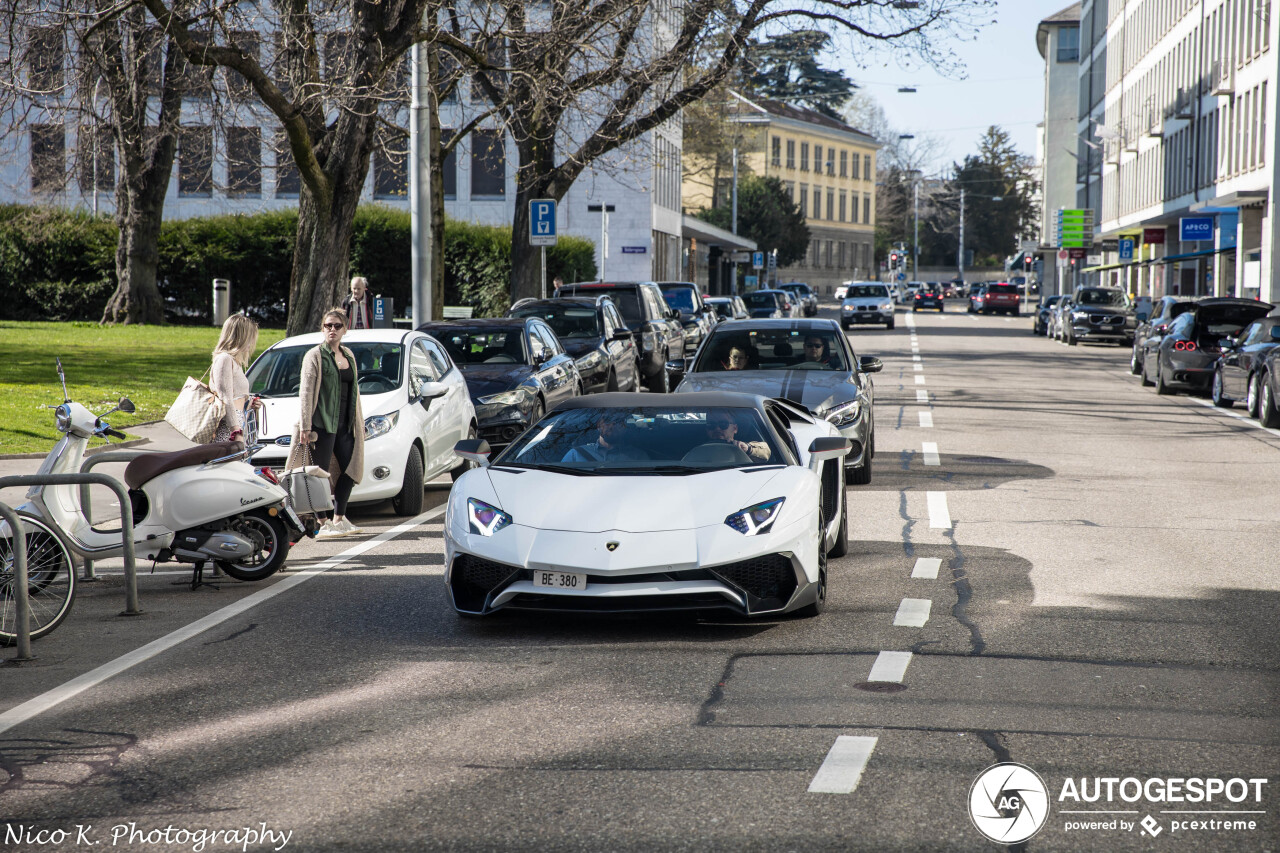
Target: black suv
(591, 330)
(659, 335)
(696, 317)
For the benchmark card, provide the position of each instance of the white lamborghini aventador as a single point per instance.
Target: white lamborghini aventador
(631, 502)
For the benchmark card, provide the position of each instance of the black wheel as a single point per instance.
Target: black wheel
(270, 538)
(1135, 366)
(861, 475)
(841, 546)
(1216, 393)
(1251, 400)
(661, 384)
(1071, 340)
(1268, 414)
(51, 581)
(1015, 313)
(1161, 387)
(845, 326)
(941, 307)
(914, 309)
(465, 465)
(409, 500)
(1142, 371)
(888, 326)
(816, 606)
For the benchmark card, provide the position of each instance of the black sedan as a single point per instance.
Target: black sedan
(1238, 373)
(1040, 321)
(1162, 314)
(929, 296)
(516, 370)
(808, 362)
(1183, 358)
(591, 331)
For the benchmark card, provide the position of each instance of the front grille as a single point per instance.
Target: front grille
(1105, 320)
(621, 604)
(769, 581)
(474, 579)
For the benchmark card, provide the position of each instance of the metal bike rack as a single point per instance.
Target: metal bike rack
(22, 609)
(108, 456)
(126, 520)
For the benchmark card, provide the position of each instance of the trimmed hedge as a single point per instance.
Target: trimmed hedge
(60, 265)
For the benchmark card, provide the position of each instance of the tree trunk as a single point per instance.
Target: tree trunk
(533, 181)
(137, 298)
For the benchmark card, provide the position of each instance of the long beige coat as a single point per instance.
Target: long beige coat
(308, 397)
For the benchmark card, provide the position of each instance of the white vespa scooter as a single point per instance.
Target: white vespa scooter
(200, 505)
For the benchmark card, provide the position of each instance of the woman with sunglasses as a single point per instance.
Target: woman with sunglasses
(331, 421)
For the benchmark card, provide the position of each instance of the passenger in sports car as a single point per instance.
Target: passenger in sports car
(611, 444)
(721, 426)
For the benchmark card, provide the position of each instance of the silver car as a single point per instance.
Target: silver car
(783, 359)
(866, 302)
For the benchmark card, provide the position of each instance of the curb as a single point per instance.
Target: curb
(121, 446)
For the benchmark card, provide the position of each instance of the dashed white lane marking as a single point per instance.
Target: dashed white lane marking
(917, 367)
(915, 356)
(930, 452)
(843, 766)
(939, 515)
(919, 380)
(1008, 319)
(912, 613)
(890, 666)
(49, 699)
(922, 396)
(926, 419)
(927, 568)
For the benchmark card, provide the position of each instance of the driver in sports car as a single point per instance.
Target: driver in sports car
(611, 443)
(721, 426)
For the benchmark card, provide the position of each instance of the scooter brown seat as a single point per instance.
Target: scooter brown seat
(146, 468)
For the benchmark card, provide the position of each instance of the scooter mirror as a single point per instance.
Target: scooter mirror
(125, 405)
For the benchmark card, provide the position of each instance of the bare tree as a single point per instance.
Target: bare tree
(103, 69)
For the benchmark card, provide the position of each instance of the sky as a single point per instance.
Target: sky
(1002, 84)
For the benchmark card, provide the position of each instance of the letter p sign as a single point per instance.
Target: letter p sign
(542, 222)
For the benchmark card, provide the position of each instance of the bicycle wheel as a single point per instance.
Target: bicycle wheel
(51, 581)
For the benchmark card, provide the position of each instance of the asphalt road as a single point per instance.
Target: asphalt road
(1051, 566)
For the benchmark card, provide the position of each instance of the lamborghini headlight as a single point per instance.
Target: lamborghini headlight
(485, 519)
(756, 519)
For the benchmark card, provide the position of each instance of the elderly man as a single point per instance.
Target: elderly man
(359, 305)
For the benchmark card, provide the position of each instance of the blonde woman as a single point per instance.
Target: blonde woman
(231, 356)
(330, 419)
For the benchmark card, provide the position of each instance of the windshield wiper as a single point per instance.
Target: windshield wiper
(557, 469)
(659, 469)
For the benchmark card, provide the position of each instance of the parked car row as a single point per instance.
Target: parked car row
(1091, 314)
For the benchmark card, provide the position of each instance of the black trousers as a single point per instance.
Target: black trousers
(343, 445)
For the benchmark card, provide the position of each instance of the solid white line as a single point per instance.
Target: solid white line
(926, 419)
(1208, 404)
(919, 380)
(890, 666)
(922, 396)
(843, 766)
(49, 699)
(930, 451)
(927, 568)
(912, 613)
(939, 515)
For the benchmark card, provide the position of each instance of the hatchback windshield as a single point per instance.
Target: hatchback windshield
(865, 291)
(567, 321)
(645, 440)
(278, 372)
(1102, 296)
(680, 298)
(484, 346)
(723, 307)
(771, 349)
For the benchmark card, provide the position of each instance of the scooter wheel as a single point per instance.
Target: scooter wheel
(270, 538)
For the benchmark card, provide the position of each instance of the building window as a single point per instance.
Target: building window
(831, 161)
(488, 165)
(251, 43)
(449, 168)
(844, 164)
(496, 53)
(46, 56)
(804, 199)
(844, 200)
(195, 161)
(867, 174)
(1068, 44)
(829, 254)
(105, 155)
(854, 203)
(337, 58)
(244, 161)
(390, 170)
(450, 78)
(197, 80)
(789, 187)
(817, 202)
(831, 204)
(817, 158)
(804, 156)
(48, 158)
(866, 210)
(775, 156)
(855, 166)
(288, 181)
(791, 153)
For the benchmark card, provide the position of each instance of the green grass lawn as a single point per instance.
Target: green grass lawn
(147, 364)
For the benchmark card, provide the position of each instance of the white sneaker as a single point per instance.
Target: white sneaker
(349, 529)
(330, 530)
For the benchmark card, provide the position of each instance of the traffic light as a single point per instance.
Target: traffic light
(1027, 259)
(893, 259)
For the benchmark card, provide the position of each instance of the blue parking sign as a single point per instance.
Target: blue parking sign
(757, 260)
(1125, 246)
(542, 222)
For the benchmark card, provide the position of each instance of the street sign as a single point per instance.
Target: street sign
(1074, 227)
(741, 256)
(542, 222)
(749, 281)
(902, 276)
(1153, 236)
(1063, 254)
(1195, 228)
(757, 260)
(1125, 247)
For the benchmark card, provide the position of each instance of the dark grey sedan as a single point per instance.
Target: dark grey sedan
(808, 362)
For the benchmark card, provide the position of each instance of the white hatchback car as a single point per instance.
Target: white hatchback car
(415, 402)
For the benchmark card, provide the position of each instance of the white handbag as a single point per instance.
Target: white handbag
(197, 411)
(308, 487)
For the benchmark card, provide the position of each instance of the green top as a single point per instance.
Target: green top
(328, 412)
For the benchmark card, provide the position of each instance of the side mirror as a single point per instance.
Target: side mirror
(432, 390)
(673, 314)
(1142, 316)
(870, 364)
(473, 450)
(1228, 343)
(126, 405)
(676, 368)
(827, 448)
(1275, 333)
(541, 357)
(622, 335)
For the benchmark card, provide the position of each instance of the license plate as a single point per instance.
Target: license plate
(559, 580)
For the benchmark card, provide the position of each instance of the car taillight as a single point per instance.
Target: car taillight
(1184, 346)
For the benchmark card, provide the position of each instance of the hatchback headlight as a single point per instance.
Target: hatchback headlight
(485, 519)
(380, 425)
(756, 519)
(505, 398)
(843, 414)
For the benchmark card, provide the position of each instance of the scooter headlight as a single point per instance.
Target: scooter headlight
(62, 418)
(485, 519)
(756, 519)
